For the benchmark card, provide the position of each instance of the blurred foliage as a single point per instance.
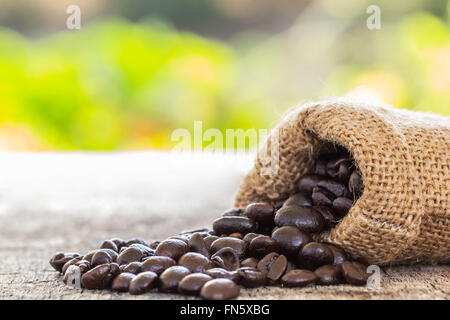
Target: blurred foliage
(122, 85)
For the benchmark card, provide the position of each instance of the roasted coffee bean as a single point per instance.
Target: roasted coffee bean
(88, 256)
(172, 248)
(238, 245)
(219, 289)
(226, 258)
(195, 262)
(136, 240)
(279, 203)
(298, 278)
(122, 281)
(333, 188)
(100, 277)
(184, 238)
(265, 263)
(133, 267)
(355, 184)
(251, 278)
(236, 235)
(328, 275)
(354, 273)
(298, 199)
(227, 225)
(122, 249)
(130, 254)
(108, 244)
(305, 218)
(143, 282)
(342, 205)
(113, 254)
(290, 239)
(197, 244)
(314, 255)
(157, 264)
(261, 246)
(146, 251)
(69, 263)
(171, 277)
(193, 283)
(100, 257)
(274, 265)
(250, 263)
(328, 215)
(339, 255)
(321, 197)
(320, 166)
(60, 259)
(209, 240)
(119, 243)
(340, 169)
(233, 212)
(307, 183)
(154, 244)
(218, 273)
(263, 213)
(250, 236)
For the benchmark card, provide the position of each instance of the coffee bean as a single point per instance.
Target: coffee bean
(261, 212)
(133, 267)
(298, 278)
(197, 244)
(328, 215)
(305, 218)
(279, 203)
(157, 264)
(172, 248)
(236, 235)
(298, 199)
(69, 263)
(219, 289)
(226, 258)
(307, 183)
(130, 254)
(60, 259)
(290, 239)
(320, 166)
(342, 205)
(119, 243)
(108, 244)
(154, 244)
(88, 256)
(183, 238)
(354, 273)
(218, 273)
(329, 275)
(113, 254)
(136, 240)
(100, 257)
(195, 262)
(209, 240)
(339, 255)
(340, 169)
(146, 251)
(74, 272)
(250, 263)
(274, 265)
(333, 188)
(193, 283)
(100, 277)
(171, 277)
(265, 263)
(262, 245)
(251, 278)
(233, 212)
(227, 225)
(314, 255)
(122, 281)
(143, 282)
(355, 184)
(238, 245)
(321, 197)
(250, 236)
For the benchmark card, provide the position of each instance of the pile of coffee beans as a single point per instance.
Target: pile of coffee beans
(262, 245)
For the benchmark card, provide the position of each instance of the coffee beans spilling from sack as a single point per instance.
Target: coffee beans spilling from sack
(263, 245)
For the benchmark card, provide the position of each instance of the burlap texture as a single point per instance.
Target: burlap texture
(402, 217)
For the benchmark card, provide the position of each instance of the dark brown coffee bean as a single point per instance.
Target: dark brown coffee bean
(279, 203)
(154, 244)
(328, 215)
(276, 269)
(226, 258)
(60, 259)
(305, 218)
(261, 246)
(265, 263)
(339, 255)
(143, 282)
(355, 184)
(298, 199)
(197, 244)
(321, 197)
(250, 263)
(233, 212)
(183, 238)
(157, 264)
(69, 263)
(100, 257)
(171, 277)
(172, 248)
(251, 278)
(193, 283)
(250, 236)
(136, 240)
(340, 169)
(113, 254)
(314, 255)
(129, 255)
(238, 245)
(227, 225)
(88, 256)
(119, 243)
(122, 249)
(209, 240)
(290, 239)
(108, 244)
(261, 212)
(195, 262)
(236, 235)
(342, 205)
(122, 282)
(320, 166)
(146, 251)
(307, 183)
(100, 277)
(354, 273)
(218, 273)
(219, 289)
(133, 267)
(329, 275)
(333, 188)
(298, 278)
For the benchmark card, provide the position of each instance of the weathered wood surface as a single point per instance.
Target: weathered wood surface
(51, 203)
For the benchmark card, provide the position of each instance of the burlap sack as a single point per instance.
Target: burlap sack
(403, 156)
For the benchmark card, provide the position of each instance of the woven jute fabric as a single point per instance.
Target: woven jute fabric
(402, 217)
